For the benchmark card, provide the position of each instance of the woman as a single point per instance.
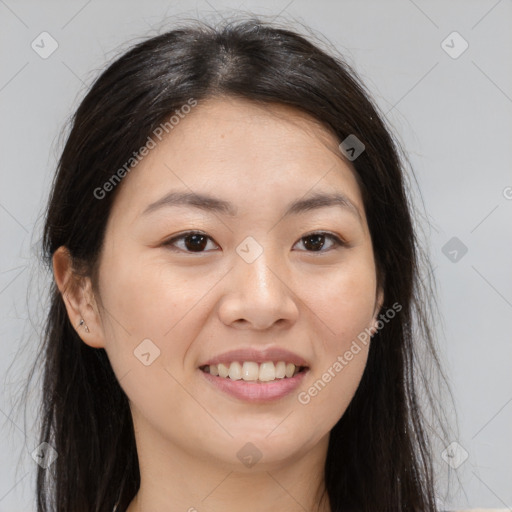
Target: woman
(237, 302)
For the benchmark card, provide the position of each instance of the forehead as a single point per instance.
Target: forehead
(248, 153)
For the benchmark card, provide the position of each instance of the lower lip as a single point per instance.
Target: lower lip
(256, 391)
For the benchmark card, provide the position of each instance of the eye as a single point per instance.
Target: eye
(315, 241)
(197, 241)
(194, 241)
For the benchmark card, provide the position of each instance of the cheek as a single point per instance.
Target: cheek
(344, 301)
(345, 305)
(151, 319)
(144, 301)
(329, 392)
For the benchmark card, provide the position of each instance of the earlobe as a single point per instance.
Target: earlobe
(82, 322)
(76, 292)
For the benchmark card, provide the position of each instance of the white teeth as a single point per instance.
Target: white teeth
(235, 371)
(251, 371)
(280, 370)
(267, 372)
(290, 369)
(222, 369)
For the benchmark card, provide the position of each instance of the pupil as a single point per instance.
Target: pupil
(198, 244)
(315, 242)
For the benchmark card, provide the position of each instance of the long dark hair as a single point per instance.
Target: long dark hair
(380, 455)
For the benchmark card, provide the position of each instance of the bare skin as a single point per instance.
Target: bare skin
(196, 305)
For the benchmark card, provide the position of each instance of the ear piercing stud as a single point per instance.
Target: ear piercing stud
(83, 323)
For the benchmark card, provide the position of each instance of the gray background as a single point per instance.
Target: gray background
(453, 116)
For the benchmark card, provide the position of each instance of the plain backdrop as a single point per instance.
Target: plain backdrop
(440, 71)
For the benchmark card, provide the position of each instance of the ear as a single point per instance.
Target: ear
(78, 297)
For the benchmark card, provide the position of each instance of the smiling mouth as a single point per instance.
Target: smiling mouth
(250, 371)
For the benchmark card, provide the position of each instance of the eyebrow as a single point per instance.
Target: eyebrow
(213, 204)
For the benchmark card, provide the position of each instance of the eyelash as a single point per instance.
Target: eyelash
(338, 242)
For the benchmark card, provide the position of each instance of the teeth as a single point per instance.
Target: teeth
(235, 371)
(223, 370)
(280, 370)
(267, 372)
(251, 371)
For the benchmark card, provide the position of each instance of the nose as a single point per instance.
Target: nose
(258, 295)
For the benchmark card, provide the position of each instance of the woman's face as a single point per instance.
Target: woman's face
(254, 285)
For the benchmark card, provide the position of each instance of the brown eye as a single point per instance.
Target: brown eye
(315, 242)
(193, 241)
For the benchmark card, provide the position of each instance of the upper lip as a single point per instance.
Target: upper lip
(257, 356)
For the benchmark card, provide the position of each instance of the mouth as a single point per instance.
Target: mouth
(253, 375)
(251, 371)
